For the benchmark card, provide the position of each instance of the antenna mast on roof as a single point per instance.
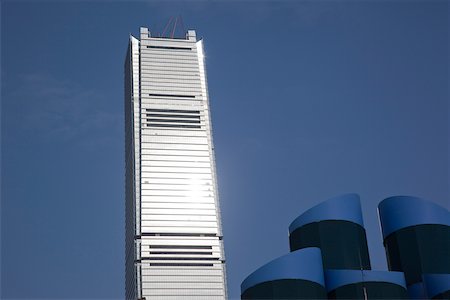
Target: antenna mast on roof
(171, 27)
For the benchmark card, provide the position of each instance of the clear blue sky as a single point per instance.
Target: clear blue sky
(309, 100)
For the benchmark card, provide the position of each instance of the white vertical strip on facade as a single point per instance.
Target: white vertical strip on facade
(203, 82)
(132, 167)
(137, 147)
(178, 236)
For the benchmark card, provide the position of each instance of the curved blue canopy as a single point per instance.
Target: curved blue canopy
(337, 278)
(345, 207)
(399, 212)
(303, 264)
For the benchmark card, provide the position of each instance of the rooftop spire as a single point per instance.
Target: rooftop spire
(170, 30)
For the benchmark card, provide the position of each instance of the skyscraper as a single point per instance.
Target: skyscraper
(174, 246)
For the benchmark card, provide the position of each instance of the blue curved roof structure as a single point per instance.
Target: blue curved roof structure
(303, 264)
(337, 278)
(399, 212)
(436, 284)
(345, 207)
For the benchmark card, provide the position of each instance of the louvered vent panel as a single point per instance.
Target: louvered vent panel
(172, 118)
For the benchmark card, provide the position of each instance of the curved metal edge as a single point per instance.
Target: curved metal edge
(303, 264)
(337, 278)
(399, 212)
(346, 207)
(436, 284)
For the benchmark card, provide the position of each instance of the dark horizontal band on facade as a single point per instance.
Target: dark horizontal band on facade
(180, 265)
(149, 146)
(176, 234)
(171, 143)
(176, 161)
(171, 95)
(138, 237)
(177, 226)
(174, 110)
(170, 63)
(177, 172)
(205, 212)
(210, 201)
(169, 48)
(151, 63)
(179, 247)
(188, 190)
(180, 208)
(167, 175)
(186, 221)
(184, 187)
(185, 178)
(146, 148)
(175, 167)
(196, 146)
(192, 53)
(153, 57)
(179, 82)
(153, 66)
(150, 158)
(173, 116)
(205, 278)
(187, 182)
(159, 55)
(172, 120)
(165, 134)
(170, 130)
(179, 253)
(165, 71)
(176, 258)
(182, 160)
(174, 126)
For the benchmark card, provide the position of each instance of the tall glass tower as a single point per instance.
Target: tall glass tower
(174, 246)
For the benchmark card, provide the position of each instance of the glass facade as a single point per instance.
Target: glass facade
(174, 247)
(369, 290)
(418, 250)
(286, 289)
(343, 243)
